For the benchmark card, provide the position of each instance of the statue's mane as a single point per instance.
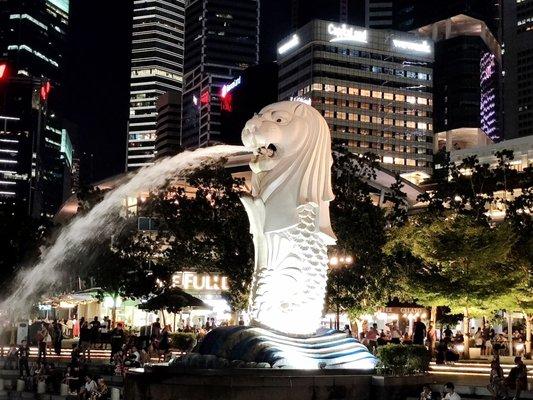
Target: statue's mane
(309, 168)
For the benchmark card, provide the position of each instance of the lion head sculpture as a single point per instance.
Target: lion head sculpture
(292, 162)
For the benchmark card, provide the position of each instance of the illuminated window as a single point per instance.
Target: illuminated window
(411, 162)
(317, 86)
(388, 160)
(422, 125)
(422, 100)
(420, 150)
(364, 118)
(341, 89)
(365, 93)
(365, 106)
(422, 163)
(387, 147)
(399, 161)
(328, 114)
(398, 122)
(411, 124)
(364, 145)
(341, 115)
(364, 132)
(354, 91)
(329, 88)
(352, 117)
(399, 97)
(376, 94)
(411, 99)
(388, 96)
(376, 120)
(387, 134)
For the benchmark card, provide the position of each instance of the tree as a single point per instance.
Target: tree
(201, 226)
(454, 254)
(464, 263)
(365, 283)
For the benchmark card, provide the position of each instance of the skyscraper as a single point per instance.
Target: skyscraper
(344, 11)
(518, 64)
(466, 78)
(373, 87)
(379, 14)
(221, 40)
(156, 68)
(35, 148)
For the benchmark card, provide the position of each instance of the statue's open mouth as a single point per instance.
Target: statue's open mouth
(264, 152)
(268, 151)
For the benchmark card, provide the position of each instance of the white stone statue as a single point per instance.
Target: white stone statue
(289, 215)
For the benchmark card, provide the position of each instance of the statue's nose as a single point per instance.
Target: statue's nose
(249, 131)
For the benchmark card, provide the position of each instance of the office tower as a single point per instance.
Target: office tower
(167, 141)
(373, 86)
(518, 64)
(379, 14)
(412, 14)
(254, 89)
(35, 148)
(156, 68)
(221, 40)
(344, 11)
(466, 83)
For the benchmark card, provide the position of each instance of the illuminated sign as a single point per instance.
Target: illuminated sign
(301, 99)
(45, 307)
(421, 47)
(200, 282)
(195, 100)
(204, 97)
(345, 34)
(290, 44)
(3, 69)
(228, 88)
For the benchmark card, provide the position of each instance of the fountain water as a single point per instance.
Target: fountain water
(75, 241)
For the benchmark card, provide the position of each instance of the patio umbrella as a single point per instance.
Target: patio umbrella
(173, 300)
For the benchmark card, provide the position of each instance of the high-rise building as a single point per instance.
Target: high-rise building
(35, 148)
(518, 67)
(373, 86)
(167, 141)
(466, 83)
(379, 14)
(344, 11)
(412, 14)
(156, 68)
(221, 40)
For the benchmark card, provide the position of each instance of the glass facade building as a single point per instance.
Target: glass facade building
(35, 155)
(518, 66)
(221, 40)
(467, 71)
(374, 88)
(156, 68)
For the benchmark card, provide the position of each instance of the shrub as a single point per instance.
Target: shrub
(399, 359)
(183, 341)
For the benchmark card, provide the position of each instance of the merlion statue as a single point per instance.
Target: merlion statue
(289, 219)
(289, 215)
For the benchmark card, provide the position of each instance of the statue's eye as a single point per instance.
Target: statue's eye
(279, 120)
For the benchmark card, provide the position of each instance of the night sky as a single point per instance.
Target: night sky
(98, 69)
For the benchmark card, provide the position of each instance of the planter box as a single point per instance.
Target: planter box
(475, 352)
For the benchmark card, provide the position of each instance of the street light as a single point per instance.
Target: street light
(337, 262)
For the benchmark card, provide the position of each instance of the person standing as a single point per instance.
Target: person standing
(372, 337)
(24, 355)
(85, 338)
(419, 332)
(496, 384)
(42, 333)
(431, 338)
(395, 334)
(117, 340)
(156, 329)
(95, 331)
(58, 336)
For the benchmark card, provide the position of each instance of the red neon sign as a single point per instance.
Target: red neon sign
(226, 102)
(45, 90)
(3, 71)
(204, 98)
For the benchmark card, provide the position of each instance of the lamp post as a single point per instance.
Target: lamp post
(337, 262)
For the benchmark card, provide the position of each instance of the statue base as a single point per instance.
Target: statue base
(256, 347)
